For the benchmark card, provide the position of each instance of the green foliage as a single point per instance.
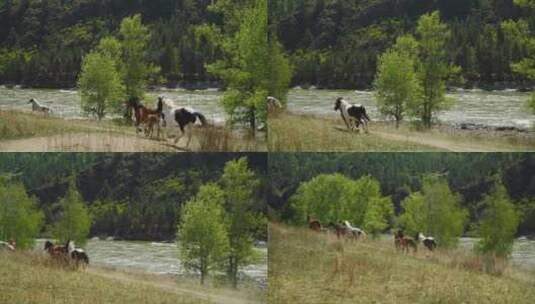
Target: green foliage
(20, 218)
(334, 198)
(241, 214)
(202, 235)
(436, 211)
(499, 224)
(396, 84)
(246, 66)
(100, 84)
(281, 71)
(134, 37)
(74, 222)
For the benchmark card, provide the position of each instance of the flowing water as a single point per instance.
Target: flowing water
(483, 108)
(156, 257)
(66, 103)
(523, 251)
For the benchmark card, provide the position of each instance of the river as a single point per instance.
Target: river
(156, 258)
(66, 103)
(523, 255)
(483, 108)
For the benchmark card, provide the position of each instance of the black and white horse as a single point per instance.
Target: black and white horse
(353, 115)
(273, 104)
(356, 232)
(37, 107)
(78, 255)
(428, 241)
(183, 116)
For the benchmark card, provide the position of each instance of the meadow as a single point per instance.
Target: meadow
(308, 133)
(305, 266)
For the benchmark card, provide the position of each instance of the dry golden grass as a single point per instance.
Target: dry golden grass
(289, 133)
(306, 267)
(28, 278)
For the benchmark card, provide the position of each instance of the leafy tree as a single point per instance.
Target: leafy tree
(100, 84)
(499, 224)
(434, 211)
(242, 218)
(378, 214)
(396, 84)
(433, 67)
(202, 234)
(134, 37)
(20, 218)
(246, 66)
(75, 222)
(281, 71)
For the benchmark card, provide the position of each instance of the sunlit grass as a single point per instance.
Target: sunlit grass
(289, 133)
(308, 267)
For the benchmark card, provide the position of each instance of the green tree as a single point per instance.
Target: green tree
(396, 84)
(379, 212)
(242, 218)
(432, 67)
(246, 66)
(74, 222)
(202, 235)
(20, 218)
(134, 38)
(100, 84)
(436, 211)
(499, 223)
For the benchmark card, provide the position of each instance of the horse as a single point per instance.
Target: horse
(339, 229)
(10, 245)
(184, 117)
(57, 252)
(353, 115)
(142, 113)
(273, 104)
(78, 255)
(404, 243)
(153, 120)
(356, 232)
(428, 241)
(313, 224)
(37, 107)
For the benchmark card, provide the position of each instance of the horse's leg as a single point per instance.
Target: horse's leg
(182, 131)
(190, 133)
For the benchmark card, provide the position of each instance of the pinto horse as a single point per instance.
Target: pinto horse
(356, 232)
(78, 255)
(428, 241)
(353, 115)
(57, 252)
(10, 245)
(184, 117)
(273, 104)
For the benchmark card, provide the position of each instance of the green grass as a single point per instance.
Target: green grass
(27, 278)
(307, 267)
(293, 133)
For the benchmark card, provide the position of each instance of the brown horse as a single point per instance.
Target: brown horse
(404, 243)
(57, 252)
(339, 229)
(152, 121)
(142, 113)
(314, 224)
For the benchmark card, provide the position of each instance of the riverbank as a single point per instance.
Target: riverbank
(317, 268)
(306, 133)
(28, 132)
(33, 278)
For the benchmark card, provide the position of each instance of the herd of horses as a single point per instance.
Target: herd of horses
(67, 253)
(344, 230)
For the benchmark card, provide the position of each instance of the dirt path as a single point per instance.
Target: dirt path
(169, 285)
(87, 142)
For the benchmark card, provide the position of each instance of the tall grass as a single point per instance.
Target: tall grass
(308, 267)
(30, 278)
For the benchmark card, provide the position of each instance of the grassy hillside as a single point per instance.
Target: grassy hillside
(32, 279)
(289, 133)
(320, 269)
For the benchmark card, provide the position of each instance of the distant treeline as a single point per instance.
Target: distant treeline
(129, 196)
(335, 43)
(471, 175)
(42, 43)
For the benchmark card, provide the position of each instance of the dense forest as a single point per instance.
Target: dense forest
(42, 43)
(129, 196)
(471, 175)
(336, 43)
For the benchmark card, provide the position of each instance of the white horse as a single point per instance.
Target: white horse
(356, 232)
(273, 104)
(7, 245)
(353, 115)
(183, 116)
(37, 107)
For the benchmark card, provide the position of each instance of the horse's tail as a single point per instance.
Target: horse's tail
(202, 118)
